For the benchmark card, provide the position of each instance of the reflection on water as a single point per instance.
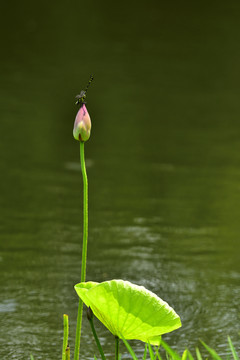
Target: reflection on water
(163, 166)
(8, 305)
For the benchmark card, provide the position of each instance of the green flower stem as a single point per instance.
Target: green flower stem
(85, 213)
(84, 248)
(96, 338)
(116, 347)
(65, 336)
(78, 330)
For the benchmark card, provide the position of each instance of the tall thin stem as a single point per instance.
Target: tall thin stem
(84, 248)
(85, 212)
(68, 353)
(65, 336)
(78, 330)
(96, 338)
(116, 347)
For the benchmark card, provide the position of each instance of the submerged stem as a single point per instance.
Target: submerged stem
(84, 248)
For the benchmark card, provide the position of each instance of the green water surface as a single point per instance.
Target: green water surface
(163, 163)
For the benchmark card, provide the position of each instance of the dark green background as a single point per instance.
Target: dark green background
(163, 164)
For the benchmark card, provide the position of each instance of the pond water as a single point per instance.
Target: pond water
(163, 164)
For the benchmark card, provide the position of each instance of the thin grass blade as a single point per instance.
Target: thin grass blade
(151, 353)
(145, 352)
(131, 352)
(189, 355)
(199, 356)
(211, 351)
(170, 351)
(235, 355)
(157, 355)
(184, 355)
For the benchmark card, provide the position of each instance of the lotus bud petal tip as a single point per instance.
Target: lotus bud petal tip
(82, 125)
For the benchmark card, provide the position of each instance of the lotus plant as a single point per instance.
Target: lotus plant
(127, 310)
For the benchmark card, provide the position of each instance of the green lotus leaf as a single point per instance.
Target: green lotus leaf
(129, 311)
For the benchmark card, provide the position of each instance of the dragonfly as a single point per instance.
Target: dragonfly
(81, 98)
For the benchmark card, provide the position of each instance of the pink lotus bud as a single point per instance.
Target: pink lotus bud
(82, 125)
